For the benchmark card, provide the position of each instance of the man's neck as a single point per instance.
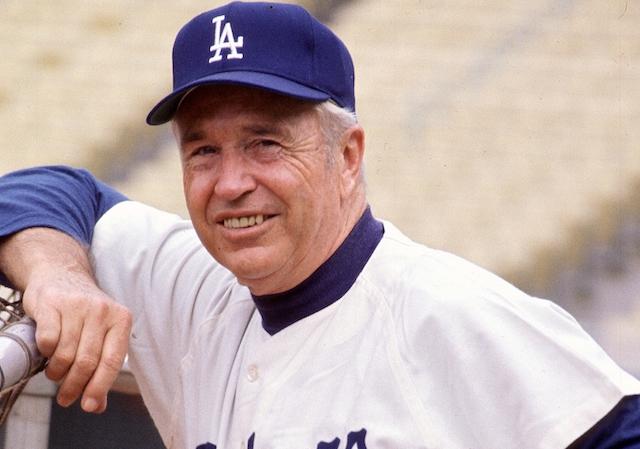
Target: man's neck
(328, 283)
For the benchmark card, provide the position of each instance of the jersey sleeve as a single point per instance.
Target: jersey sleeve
(63, 198)
(472, 342)
(620, 429)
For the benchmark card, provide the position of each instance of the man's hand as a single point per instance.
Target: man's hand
(82, 331)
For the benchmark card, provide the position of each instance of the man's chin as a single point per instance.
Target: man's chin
(252, 274)
(260, 267)
(262, 282)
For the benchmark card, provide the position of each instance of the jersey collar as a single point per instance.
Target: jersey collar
(328, 283)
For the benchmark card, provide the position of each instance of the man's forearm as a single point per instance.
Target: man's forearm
(38, 251)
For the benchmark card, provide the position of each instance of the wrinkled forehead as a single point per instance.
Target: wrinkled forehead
(226, 105)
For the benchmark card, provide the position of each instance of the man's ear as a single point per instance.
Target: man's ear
(351, 156)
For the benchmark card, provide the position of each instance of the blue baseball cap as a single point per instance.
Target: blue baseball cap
(274, 46)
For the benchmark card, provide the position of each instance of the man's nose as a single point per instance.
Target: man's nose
(234, 177)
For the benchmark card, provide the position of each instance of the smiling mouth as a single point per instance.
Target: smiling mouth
(243, 222)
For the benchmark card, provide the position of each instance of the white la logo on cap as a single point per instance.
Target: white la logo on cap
(225, 39)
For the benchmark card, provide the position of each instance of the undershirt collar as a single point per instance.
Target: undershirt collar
(327, 284)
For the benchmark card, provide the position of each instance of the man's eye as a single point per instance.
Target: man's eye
(205, 150)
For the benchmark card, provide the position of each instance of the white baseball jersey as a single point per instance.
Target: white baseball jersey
(425, 350)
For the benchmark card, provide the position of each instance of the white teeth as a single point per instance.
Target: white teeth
(243, 222)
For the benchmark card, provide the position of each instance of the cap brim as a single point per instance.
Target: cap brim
(167, 107)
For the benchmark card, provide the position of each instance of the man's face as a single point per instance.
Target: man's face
(262, 194)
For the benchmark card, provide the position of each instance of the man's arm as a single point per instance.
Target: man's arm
(47, 220)
(83, 331)
(58, 197)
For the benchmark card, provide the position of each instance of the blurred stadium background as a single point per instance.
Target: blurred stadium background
(504, 131)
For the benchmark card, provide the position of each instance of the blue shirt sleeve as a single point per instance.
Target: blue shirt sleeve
(63, 198)
(619, 429)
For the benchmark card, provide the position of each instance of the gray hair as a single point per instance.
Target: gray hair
(334, 121)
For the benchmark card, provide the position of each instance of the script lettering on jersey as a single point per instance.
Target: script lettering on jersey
(223, 38)
(355, 440)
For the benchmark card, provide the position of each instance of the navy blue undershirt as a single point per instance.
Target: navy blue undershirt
(63, 198)
(72, 201)
(619, 429)
(327, 284)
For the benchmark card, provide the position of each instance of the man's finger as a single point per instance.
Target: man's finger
(47, 337)
(65, 353)
(48, 327)
(99, 359)
(114, 351)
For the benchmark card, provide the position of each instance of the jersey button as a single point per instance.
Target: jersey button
(253, 373)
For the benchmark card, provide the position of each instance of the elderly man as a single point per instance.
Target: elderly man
(313, 324)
